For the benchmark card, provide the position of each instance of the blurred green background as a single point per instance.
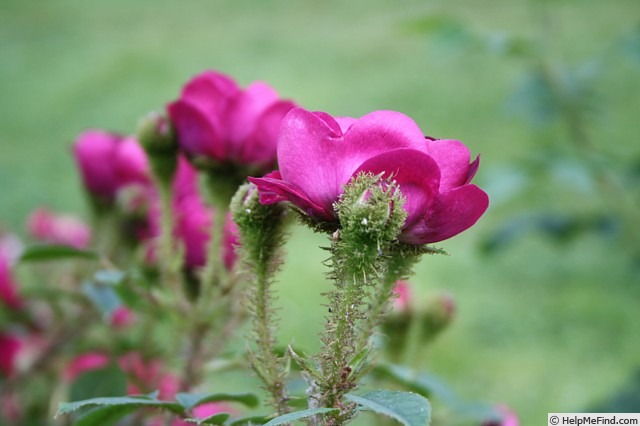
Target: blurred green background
(547, 284)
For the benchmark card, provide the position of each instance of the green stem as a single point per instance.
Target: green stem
(169, 263)
(267, 363)
(340, 337)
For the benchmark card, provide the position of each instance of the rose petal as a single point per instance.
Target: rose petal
(211, 92)
(244, 110)
(198, 134)
(273, 189)
(261, 145)
(453, 159)
(473, 169)
(132, 165)
(315, 158)
(310, 154)
(453, 212)
(95, 153)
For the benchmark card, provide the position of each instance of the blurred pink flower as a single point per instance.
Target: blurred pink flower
(10, 347)
(215, 118)
(193, 221)
(402, 292)
(47, 226)
(122, 317)
(10, 248)
(11, 410)
(108, 162)
(509, 418)
(144, 375)
(8, 288)
(319, 154)
(83, 363)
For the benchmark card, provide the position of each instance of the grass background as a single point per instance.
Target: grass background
(542, 327)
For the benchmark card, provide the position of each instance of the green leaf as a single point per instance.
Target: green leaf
(297, 415)
(250, 420)
(46, 252)
(103, 296)
(425, 384)
(97, 383)
(215, 419)
(190, 400)
(102, 416)
(408, 408)
(429, 386)
(119, 401)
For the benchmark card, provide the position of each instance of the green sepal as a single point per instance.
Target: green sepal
(307, 365)
(361, 363)
(408, 408)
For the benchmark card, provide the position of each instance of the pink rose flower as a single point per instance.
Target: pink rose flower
(47, 226)
(10, 347)
(107, 162)
(216, 119)
(319, 154)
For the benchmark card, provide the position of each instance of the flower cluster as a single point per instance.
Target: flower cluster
(166, 235)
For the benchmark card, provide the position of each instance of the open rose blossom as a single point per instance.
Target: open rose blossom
(216, 119)
(108, 162)
(318, 154)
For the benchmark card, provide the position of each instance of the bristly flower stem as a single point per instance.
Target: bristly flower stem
(262, 236)
(371, 218)
(400, 260)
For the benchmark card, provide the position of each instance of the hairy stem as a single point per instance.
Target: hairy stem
(398, 266)
(265, 361)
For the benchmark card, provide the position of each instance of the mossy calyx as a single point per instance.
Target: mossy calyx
(157, 137)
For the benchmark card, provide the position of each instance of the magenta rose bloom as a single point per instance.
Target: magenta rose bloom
(214, 118)
(108, 162)
(319, 154)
